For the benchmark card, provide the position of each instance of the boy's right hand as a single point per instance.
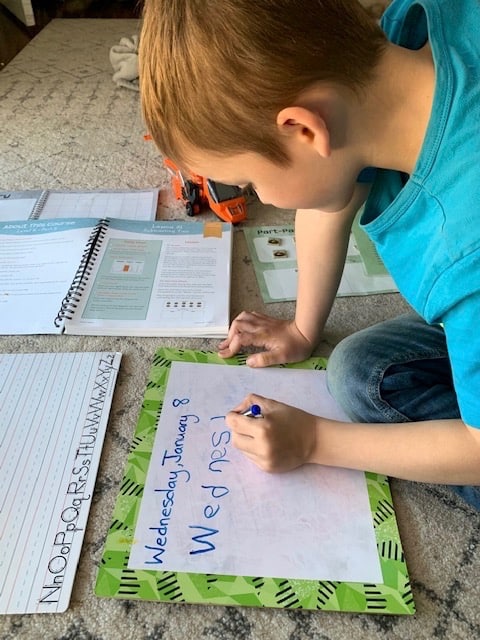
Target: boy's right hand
(281, 340)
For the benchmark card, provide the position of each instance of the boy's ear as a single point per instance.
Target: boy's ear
(307, 127)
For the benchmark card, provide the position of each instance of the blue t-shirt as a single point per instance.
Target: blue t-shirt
(426, 226)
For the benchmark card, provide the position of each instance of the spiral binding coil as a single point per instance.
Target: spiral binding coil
(75, 291)
(40, 203)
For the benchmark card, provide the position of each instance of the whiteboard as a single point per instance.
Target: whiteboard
(207, 508)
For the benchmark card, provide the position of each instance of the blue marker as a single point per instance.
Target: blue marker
(254, 412)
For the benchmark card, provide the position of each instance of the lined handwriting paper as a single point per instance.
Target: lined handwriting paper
(54, 409)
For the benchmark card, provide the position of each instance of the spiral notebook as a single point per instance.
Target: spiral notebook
(134, 204)
(88, 276)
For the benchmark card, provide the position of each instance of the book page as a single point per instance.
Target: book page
(274, 260)
(38, 261)
(207, 508)
(135, 204)
(162, 278)
(17, 205)
(54, 409)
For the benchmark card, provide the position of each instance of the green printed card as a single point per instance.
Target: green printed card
(196, 521)
(274, 259)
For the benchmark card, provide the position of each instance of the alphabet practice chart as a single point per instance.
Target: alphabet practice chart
(54, 409)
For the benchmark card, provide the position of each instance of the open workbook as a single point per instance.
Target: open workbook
(90, 276)
(133, 204)
(197, 522)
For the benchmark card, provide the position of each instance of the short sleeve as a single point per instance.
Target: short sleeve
(463, 341)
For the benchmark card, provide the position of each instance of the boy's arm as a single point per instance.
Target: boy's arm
(438, 451)
(321, 240)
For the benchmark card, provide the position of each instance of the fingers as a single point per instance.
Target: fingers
(249, 435)
(265, 359)
(246, 434)
(254, 443)
(237, 419)
(278, 340)
(248, 328)
(254, 360)
(242, 323)
(246, 425)
(257, 330)
(283, 439)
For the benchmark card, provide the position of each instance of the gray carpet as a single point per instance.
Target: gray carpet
(65, 124)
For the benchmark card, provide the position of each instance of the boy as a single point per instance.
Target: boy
(298, 98)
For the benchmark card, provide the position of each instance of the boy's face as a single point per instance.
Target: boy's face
(308, 182)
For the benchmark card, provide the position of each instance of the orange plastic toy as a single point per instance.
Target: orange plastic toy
(196, 192)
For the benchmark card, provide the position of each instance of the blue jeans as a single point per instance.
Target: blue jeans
(396, 371)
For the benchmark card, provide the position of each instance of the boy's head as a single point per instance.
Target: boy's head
(214, 74)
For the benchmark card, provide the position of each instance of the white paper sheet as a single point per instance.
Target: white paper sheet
(208, 509)
(16, 208)
(38, 262)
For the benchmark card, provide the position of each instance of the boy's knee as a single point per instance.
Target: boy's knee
(343, 361)
(341, 369)
(347, 377)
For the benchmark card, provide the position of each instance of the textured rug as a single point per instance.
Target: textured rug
(66, 124)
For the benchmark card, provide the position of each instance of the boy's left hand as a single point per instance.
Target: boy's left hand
(283, 439)
(280, 340)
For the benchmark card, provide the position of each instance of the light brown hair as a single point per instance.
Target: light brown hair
(215, 73)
